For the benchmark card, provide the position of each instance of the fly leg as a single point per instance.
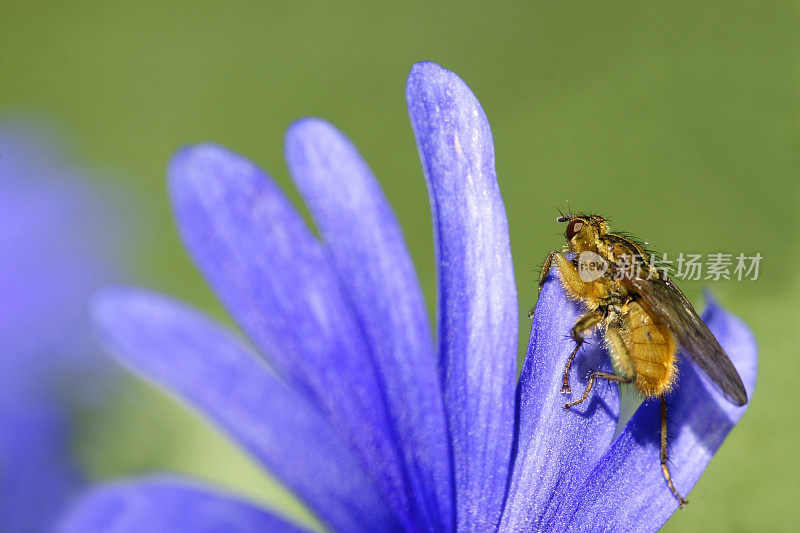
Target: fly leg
(546, 267)
(584, 324)
(664, 468)
(543, 275)
(565, 388)
(592, 378)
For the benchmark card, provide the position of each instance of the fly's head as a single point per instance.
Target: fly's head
(584, 232)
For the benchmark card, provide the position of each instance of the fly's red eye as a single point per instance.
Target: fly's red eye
(574, 227)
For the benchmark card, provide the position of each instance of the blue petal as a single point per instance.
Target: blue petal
(627, 490)
(214, 372)
(478, 322)
(37, 475)
(57, 244)
(373, 264)
(277, 281)
(167, 505)
(555, 448)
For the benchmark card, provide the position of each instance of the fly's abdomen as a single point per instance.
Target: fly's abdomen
(651, 348)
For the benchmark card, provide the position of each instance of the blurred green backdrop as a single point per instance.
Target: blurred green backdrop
(679, 120)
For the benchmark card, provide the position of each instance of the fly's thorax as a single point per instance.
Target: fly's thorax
(626, 253)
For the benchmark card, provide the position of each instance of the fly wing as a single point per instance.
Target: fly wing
(669, 304)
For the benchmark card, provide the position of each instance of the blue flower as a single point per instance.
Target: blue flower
(54, 252)
(340, 389)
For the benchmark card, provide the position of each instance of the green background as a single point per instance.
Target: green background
(678, 120)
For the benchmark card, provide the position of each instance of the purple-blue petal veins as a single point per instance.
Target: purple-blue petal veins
(478, 318)
(167, 504)
(214, 372)
(361, 418)
(369, 254)
(278, 283)
(556, 448)
(627, 490)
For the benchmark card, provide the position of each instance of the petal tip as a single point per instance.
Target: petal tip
(437, 96)
(194, 153)
(105, 302)
(305, 124)
(308, 130)
(429, 70)
(711, 302)
(115, 306)
(425, 67)
(198, 160)
(432, 76)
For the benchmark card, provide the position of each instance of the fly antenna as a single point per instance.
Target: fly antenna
(567, 217)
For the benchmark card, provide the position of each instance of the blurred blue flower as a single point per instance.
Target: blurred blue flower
(55, 249)
(339, 388)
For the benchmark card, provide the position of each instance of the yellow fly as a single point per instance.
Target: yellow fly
(642, 315)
